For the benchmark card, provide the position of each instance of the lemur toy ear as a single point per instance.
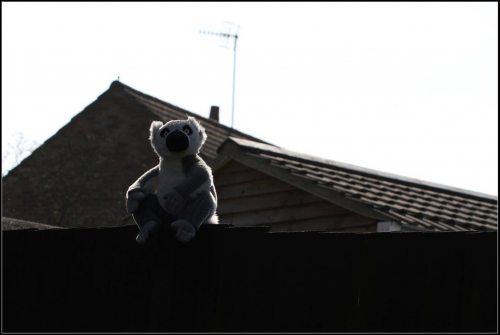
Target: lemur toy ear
(155, 126)
(199, 128)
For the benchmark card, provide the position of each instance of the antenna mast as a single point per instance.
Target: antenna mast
(235, 37)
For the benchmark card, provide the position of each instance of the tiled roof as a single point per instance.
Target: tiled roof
(217, 133)
(409, 202)
(79, 176)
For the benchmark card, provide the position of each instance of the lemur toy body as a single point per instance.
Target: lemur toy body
(178, 191)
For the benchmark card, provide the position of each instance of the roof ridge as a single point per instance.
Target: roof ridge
(350, 167)
(119, 85)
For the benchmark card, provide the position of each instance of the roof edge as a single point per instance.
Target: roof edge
(10, 223)
(250, 145)
(118, 85)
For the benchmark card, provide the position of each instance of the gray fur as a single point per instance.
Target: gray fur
(141, 183)
(182, 181)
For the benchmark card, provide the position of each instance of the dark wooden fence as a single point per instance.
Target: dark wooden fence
(246, 280)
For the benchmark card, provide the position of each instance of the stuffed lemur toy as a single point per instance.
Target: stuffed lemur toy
(178, 191)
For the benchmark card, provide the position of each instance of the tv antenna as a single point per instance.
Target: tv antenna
(226, 36)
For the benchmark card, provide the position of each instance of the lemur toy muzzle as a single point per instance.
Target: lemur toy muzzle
(177, 141)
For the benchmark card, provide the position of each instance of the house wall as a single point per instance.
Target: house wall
(249, 197)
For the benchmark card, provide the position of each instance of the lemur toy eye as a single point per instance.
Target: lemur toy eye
(164, 132)
(187, 130)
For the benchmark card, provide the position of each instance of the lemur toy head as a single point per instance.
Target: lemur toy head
(177, 138)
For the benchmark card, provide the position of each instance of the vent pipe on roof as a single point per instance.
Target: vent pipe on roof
(214, 113)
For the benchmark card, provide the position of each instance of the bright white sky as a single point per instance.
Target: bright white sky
(405, 88)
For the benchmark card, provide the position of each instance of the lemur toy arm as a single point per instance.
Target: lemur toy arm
(143, 183)
(137, 191)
